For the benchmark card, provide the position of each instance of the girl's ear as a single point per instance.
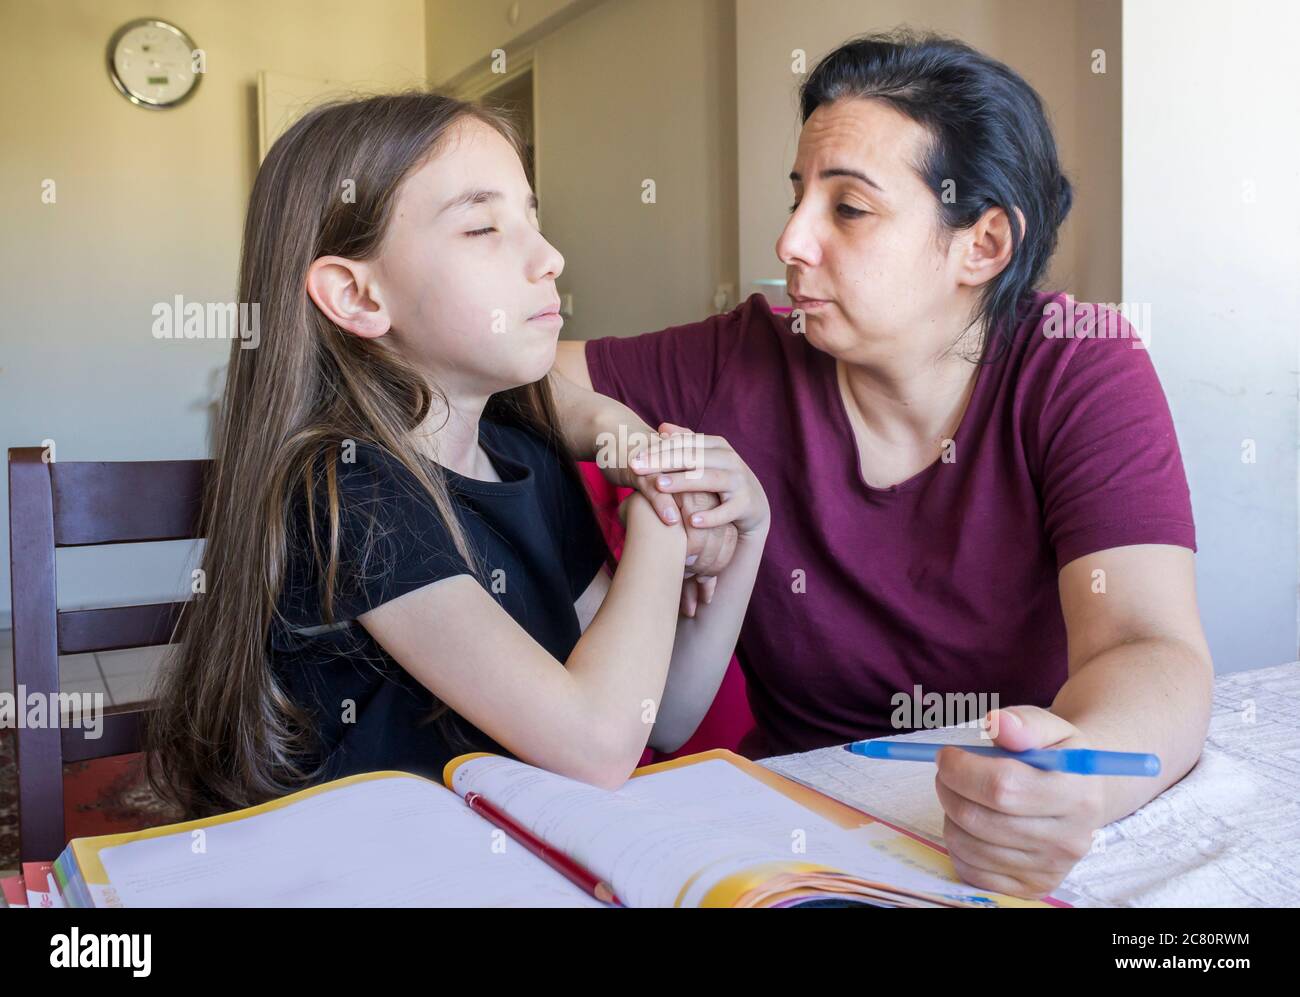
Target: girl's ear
(343, 291)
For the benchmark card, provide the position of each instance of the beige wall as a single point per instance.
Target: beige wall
(611, 114)
(698, 95)
(150, 204)
(626, 91)
(1047, 41)
(460, 34)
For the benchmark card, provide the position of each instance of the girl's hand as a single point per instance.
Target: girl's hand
(1012, 828)
(696, 589)
(636, 513)
(693, 462)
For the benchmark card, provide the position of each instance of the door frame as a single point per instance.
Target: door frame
(480, 83)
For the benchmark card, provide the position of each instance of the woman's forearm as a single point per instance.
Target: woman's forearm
(589, 421)
(603, 429)
(1149, 695)
(704, 647)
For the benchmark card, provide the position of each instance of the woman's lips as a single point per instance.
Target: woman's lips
(808, 304)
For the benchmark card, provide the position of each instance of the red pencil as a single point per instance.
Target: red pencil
(553, 857)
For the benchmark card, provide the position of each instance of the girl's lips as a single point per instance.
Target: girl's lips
(548, 317)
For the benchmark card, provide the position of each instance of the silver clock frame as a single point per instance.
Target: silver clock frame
(138, 101)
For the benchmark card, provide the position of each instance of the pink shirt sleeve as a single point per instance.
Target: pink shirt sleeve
(1109, 466)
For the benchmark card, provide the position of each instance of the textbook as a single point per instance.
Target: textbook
(41, 885)
(13, 891)
(708, 830)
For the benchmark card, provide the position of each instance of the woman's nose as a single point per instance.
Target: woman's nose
(798, 242)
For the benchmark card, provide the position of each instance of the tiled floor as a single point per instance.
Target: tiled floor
(121, 676)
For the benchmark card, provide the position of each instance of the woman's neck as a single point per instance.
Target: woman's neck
(916, 399)
(913, 404)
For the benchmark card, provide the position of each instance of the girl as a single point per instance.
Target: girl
(401, 563)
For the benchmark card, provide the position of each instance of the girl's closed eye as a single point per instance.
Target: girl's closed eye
(481, 231)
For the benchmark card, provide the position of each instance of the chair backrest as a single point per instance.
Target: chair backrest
(80, 504)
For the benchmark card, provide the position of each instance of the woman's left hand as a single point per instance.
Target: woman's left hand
(1009, 827)
(677, 465)
(684, 461)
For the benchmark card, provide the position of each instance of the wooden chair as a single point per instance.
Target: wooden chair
(80, 504)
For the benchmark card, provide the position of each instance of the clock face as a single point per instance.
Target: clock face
(151, 63)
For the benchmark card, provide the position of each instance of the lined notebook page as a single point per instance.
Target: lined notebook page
(397, 841)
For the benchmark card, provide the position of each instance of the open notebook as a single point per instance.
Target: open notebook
(709, 830)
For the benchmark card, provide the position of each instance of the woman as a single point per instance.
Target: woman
(963, 498)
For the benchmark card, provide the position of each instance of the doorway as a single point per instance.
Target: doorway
(515, 98)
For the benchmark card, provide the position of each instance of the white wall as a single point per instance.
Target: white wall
(1212, 243)
(150, 204)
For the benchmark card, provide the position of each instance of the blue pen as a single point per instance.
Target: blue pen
(1077, 761)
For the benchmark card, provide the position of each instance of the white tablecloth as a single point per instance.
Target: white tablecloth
(1226, 835)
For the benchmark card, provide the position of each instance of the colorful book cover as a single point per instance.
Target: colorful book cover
(14, 891)
(42, 891)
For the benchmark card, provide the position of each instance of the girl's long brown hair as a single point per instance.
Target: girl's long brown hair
(225, 734)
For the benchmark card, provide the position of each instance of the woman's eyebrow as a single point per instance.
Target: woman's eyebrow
(479, 196)
(840, 172)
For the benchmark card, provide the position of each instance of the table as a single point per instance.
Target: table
(1226, 835)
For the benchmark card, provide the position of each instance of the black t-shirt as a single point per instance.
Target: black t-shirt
(540, 547)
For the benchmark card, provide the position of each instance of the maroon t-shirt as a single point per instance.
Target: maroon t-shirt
(947, 580)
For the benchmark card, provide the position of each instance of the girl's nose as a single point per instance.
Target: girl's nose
(548, 263)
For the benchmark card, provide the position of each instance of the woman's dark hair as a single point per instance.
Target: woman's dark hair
(989, 136)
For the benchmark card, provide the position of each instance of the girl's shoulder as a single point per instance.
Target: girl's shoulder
(369, 484)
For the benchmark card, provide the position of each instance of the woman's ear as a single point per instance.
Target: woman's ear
(988, 246)
(345, 293)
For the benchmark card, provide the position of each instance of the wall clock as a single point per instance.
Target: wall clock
(151, 63)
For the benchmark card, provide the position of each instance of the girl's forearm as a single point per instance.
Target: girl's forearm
(704, 646)
(621, 661)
